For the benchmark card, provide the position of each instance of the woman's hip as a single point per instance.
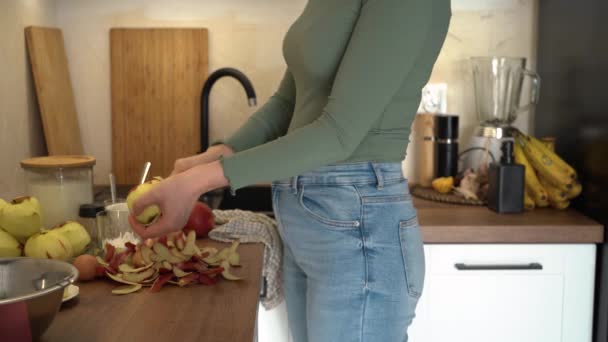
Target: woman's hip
(357, 220)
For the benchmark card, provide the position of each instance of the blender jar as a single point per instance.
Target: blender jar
(498, 84)
(61, 184)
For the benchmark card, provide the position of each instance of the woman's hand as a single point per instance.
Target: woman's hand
(176, 197)
(212, 154)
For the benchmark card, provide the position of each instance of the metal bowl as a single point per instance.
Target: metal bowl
(37, 282)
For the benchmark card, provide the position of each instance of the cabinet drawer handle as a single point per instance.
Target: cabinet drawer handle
(498, 267)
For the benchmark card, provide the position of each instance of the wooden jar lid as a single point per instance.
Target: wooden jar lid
(54, 162)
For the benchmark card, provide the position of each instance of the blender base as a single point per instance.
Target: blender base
(486, 137)
(495, 132)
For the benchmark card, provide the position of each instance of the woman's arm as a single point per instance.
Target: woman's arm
(201, 173)
(212, 154)
(390, 39)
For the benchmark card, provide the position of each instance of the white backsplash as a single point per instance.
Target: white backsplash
(482, 28)
(20, 125)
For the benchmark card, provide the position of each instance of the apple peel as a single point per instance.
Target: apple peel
(226, 272)
(189, 279)
(146, 254)
(179, 254)
(164, 254)
(210, 250)
(179, 273)
(119, 279)
(123, 290)
(160, 282)
(138, 277)
(126, 268)
(101, 261)
(190, 246)
(180, 244)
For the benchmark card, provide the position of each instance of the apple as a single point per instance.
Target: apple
(201, 220)
(151, 213)
(21, 218)
(9, 246)
(48, 244)
(76, 234)
(87, 267)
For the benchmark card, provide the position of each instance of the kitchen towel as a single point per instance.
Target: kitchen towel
(247, 226)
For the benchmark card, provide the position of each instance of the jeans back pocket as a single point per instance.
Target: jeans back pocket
(412, 250)
(332, 205)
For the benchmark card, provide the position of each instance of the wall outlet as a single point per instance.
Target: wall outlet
(434, 98)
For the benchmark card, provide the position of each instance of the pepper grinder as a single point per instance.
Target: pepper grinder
(446, 145)
(506, 183)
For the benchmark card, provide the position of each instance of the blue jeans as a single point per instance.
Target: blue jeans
(353, 265)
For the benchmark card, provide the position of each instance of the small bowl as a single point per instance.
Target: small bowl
(39, 283)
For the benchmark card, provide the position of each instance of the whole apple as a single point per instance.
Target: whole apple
(201, 220)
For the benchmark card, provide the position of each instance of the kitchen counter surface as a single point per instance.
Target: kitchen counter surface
(223, 312)
(447, 223)
(451, 223)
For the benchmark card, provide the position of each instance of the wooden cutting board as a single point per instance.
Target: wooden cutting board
(157, 76)
(54, 90)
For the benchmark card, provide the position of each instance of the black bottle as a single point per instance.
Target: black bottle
(446, 145)
(506, 183)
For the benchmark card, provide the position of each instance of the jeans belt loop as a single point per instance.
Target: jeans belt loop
(294, 184)
(378, 174)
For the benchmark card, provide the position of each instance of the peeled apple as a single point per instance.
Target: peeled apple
(9, 246)
(21, 218)
(150, 213)
(76, 234)
(48, 245)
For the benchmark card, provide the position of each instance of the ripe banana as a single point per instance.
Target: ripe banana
(574, 191)
(549, 143)
(533, 186)
(555, 194)
(559, 162)
(528, 201)
(560, 205)
(544, 162)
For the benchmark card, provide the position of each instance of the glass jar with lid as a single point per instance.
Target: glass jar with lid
(61, 184)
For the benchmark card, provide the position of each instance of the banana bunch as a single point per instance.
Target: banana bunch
(550, 181)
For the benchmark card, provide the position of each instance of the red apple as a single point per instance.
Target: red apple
(201, 220)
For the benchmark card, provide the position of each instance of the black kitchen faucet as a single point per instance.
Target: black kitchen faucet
(216, 75)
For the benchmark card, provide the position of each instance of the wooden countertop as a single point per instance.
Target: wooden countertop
(223, 312)
(446, 223)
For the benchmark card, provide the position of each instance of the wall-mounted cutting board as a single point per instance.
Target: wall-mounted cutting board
(157, 76)
(54, 90)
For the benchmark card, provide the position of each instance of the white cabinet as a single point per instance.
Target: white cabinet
(523, 293)
(272, 324)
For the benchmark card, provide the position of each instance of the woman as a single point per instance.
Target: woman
(332, 139)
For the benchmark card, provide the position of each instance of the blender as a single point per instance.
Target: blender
(498, 86)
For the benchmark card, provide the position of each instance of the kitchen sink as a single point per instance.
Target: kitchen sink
(255, 198)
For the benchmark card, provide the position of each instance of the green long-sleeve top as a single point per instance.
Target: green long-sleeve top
(355, 70)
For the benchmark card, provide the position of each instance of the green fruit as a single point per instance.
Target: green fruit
(21, 218)
(76, 234)
(2, 203)
(150, 213)
(9, 246)
(48, 245)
